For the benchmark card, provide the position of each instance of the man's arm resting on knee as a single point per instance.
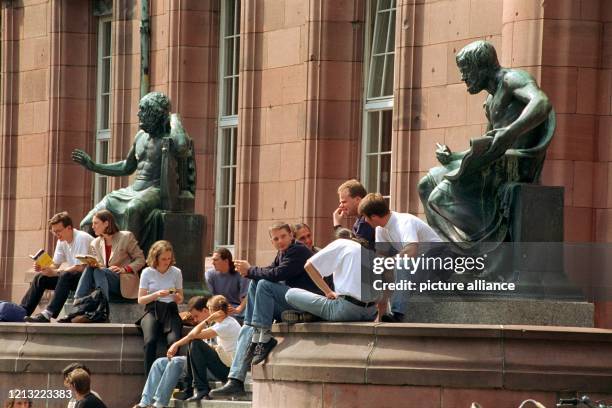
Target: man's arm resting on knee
(319, 281)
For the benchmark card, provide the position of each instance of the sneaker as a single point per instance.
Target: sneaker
(296, 316)
(37, 318)
(262, 350)
(233, 388)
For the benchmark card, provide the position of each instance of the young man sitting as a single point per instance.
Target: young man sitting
(404, 233)
(70, 242)
(347, 302)
(265, 302)
(166, 371)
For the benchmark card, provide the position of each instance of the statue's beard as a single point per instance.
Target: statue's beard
(153, 126)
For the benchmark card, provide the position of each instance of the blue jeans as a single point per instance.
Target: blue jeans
(399, 298)
(334, 310)
(162, 379)
(102, 278)
(265, 302)
(239, 368)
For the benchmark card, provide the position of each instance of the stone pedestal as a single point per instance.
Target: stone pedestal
(356, 365)
(186, 231)
(500, 310)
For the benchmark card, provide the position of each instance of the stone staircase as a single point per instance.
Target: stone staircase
(243, 402)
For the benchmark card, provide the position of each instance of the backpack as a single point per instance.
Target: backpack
(11, 312)
(93, 306)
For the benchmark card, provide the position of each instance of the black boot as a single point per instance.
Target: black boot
(262, 350)
(233, 388)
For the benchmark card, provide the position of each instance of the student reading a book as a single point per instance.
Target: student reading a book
(119, 258)
(62, 274)
(160, 290)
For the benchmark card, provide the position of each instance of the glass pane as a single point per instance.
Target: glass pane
(223, 188)
(221, 227)
(230, 226)
(236, 56)
(228, 59)
(227, 96)
(388, 89)
(387, 123)
(106, 39)
(376, 71)
(230, 7)
(106, 74)
(104, 111)
(102, 152)
(373, 132)
(384, 4)
(380, 32)
(391, 40)
(226, 151)
(234, 96)
(385, 174)
(237, 18)
(372, 173)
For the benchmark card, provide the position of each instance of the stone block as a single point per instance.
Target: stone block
(185, 231)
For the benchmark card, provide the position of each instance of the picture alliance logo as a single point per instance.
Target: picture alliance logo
(404, 262)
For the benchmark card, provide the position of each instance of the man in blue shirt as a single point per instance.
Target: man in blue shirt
(265, 302)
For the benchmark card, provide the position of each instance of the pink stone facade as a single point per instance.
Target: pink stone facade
(300, 105)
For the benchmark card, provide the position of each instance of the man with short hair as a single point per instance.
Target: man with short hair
(403, 232)
(62, 279)
(166, 372)
(66, 372)
(79, 382)
(350, 194)
(265, 302)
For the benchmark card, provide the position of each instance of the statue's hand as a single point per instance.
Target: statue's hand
(82, 158)
(443, 154)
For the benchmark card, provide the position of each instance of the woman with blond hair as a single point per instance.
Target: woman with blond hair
(161, 289)
(203, 357)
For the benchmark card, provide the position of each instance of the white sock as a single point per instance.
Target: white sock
(47, 314)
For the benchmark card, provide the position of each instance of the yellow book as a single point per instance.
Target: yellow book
(42, 259)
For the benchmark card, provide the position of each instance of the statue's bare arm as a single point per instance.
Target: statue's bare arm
(536, 110)
(121, 168)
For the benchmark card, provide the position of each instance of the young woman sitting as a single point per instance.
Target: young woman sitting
(203, 357)
(161, 289)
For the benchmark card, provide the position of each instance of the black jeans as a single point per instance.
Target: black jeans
(62, 285)
(201, 358)
(153, 331)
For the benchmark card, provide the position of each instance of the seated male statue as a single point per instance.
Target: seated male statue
(133, 204)
(467, 199)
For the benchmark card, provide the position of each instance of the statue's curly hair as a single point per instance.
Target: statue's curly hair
(479, 54)
(155, 101)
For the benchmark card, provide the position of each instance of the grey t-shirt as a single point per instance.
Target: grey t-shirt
(231, 285)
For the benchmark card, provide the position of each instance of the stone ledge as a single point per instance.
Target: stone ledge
(461, 356)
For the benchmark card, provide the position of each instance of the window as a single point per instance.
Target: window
(103, 105)
(378, 98)
(229, 54)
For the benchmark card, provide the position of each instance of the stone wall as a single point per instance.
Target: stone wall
(431, 365)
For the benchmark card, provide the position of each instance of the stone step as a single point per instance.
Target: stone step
(211, 404)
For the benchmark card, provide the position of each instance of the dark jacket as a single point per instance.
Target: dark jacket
(288, 267)
(365, 231)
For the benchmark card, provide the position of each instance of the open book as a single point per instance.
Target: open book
(42, 259)
(88, 260)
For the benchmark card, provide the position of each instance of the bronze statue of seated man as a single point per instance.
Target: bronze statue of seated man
(133, 204)
(467, 199)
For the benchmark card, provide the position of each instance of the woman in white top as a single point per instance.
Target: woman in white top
(203, 357)
(343, 259)
(161, 289)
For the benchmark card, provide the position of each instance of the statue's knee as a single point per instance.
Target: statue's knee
(425, 188)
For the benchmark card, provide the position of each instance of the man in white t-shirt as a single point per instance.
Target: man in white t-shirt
(347, 302)
(401, 233)
(62, 275)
